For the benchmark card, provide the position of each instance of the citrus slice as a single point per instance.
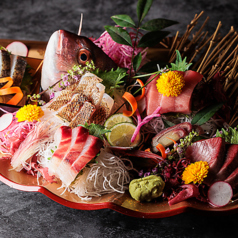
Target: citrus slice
(115, 119)
(121, 134)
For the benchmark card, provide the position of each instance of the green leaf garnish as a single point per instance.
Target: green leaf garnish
(180, 65)
(230, 135)
(143, 6)
(157, 24)
(123, 20)
(205, 114)
(95, 130)
(152, 38)
(27, 79)
(119, 35)
(137, 62)
(111, 79)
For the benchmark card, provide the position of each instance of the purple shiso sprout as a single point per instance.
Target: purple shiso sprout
(146, 174)
(155, 170)
(144, 121)
(141, 172)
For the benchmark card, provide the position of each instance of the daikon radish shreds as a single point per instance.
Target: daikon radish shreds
(108, 175)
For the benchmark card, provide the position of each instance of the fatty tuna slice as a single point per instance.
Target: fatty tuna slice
(230, 164)
(63, 137)
(79, 137)
(179, 104)
(233, 179)
(91, 148)
(210, 150)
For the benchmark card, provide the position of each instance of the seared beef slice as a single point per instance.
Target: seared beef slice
(210, 150)
(230, 164)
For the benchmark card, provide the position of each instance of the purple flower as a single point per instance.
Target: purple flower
(146, 174)
(52, 95)
(155, 170)
(141, 172)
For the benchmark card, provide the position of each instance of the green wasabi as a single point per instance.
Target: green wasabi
(147, 188)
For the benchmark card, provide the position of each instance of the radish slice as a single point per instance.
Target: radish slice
(220, 193)
(18, 48)
(5, 121)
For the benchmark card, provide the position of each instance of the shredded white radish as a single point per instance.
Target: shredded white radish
(108, 175)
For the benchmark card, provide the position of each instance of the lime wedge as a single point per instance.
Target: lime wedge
(121, 134)
(115, 119)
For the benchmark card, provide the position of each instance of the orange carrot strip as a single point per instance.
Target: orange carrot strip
(8, 80)
(148, 150)
(172, 140)
(138, 98)
(13, 90)
(133, 103)
(161, 148)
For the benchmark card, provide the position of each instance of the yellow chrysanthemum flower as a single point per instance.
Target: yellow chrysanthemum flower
(170, 83)
(29, 113)
(195, 172)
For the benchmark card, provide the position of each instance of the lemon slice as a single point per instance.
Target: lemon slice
(115, 119)
(121, 134)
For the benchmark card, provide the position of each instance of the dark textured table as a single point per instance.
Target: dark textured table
(24, 214)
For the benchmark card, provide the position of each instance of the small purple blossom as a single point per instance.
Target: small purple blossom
(52, 95)
(141, 172)
(155, 170)
(180, 150)
(146, 174)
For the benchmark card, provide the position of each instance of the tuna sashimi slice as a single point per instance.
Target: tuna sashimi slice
(230, 164)
(79, 137)
(63, 138)
(233, 179)
(180, 104)
(91, 148)
(210, 150)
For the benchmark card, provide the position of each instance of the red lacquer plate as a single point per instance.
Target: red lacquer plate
(122, 203)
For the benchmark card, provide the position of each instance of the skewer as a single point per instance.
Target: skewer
(80, 25)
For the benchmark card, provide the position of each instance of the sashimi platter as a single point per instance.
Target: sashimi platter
(140, 121)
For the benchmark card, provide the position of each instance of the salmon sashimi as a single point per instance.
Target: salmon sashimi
(79, 137)
(179, 104)
(63, 137)
(91, 148)
(66, 49)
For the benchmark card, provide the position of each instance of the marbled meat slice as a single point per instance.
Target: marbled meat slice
(71, 109)
(90, 150)
(18, 67)
(79, 137)
(58, 102)
(5, 65)
(103, 111)
(210, 150)
(84, 115)
(63, 137)
(230, 164)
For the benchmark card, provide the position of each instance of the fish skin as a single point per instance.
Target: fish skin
(5, 65)
(63, 52)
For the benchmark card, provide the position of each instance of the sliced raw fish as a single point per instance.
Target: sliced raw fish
(18, 67)
(210, 150)
(79, 137)
(91, 148)
(230, 164)
(84, 115)
(63, 137)
(233, 179)
(180, 104)
(71, 109)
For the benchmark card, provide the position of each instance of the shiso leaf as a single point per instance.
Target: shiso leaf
(143, 6)
(205, 114)
(230, 135)
(157, 24)
(137, 61)
(180, 65)
(95, 130)
(152, 38)
(123, 21)
(111, 79)
(119, 35)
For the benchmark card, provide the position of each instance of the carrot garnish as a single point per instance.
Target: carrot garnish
(7, 89)
(138, 98)
(172, 140)
(148, 150)
(161, 148)
(133, 103)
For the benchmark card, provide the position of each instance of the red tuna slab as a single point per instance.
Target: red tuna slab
(233, 179)
(230, 164)
(181, 103)
(210, 150)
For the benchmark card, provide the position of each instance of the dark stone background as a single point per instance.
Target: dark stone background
(24, 214)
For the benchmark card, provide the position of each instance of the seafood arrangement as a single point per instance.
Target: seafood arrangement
(109, 126)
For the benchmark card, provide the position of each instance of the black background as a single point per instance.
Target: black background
(24, 214)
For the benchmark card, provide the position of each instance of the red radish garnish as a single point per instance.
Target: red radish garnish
(5, 121)
(220, 193)
(18, 48)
